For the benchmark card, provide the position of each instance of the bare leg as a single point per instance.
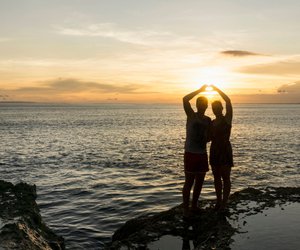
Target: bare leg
(218, 185)
(189, 181)
(225, 172)
(199, 179)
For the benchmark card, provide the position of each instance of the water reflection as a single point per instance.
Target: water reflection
(117, 162)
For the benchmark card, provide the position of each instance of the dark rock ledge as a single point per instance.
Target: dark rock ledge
(209, 229)
(21, 225)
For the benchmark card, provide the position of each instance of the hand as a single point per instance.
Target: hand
(203, 88)
(214, 87)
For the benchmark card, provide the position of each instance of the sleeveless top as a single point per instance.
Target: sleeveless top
(197, 133)
(220, 149)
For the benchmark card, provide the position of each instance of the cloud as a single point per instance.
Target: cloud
(4, 97)
(76, 90)
(239, 53)
(289, 66)
(136, 36)
(70, 85)
(110, 30)
(293, 88)
(286, 93)
(265, 98)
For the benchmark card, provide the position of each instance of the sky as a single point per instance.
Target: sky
(149, 51)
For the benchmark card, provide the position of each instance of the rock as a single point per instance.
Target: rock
(21, 225)
(207, 230)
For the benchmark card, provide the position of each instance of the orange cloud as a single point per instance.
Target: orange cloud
(75, 90)
(293, 88)
(280, 68)
(70, 85)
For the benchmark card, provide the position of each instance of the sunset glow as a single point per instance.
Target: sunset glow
(210, 93)
(148, 51)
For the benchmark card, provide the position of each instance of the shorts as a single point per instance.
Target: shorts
(195, 163)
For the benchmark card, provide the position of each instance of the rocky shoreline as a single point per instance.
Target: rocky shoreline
(207, 230)
(21, 225)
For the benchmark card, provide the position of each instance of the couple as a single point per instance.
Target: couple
(200, 130)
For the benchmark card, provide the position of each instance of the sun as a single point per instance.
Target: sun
(209, 93)
(212, 75)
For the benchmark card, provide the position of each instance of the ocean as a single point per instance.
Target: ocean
(97, 166)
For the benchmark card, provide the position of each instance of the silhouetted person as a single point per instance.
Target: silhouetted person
(195, 155)
(221, 159)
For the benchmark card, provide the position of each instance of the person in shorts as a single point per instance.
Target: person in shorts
(195, 155)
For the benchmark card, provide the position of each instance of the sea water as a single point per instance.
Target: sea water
(96, 166)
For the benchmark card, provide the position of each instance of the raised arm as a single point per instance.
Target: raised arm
(227, 100)
(186, 100)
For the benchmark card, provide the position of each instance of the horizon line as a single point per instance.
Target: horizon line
(136, 103)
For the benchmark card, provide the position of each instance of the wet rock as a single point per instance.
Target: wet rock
(207, 230)
(136, 235)
(21, 225)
